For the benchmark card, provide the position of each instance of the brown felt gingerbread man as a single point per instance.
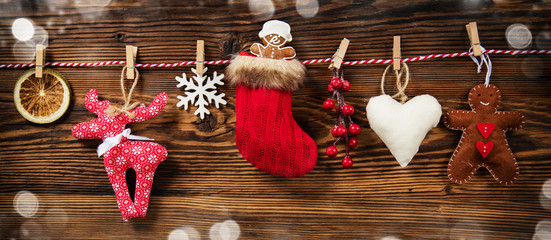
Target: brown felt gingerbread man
(274, 34)
(483, 143)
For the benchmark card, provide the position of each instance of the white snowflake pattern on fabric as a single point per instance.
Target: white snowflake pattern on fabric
(201, 91)
(120, 160)
(137, 150)
(152, 158)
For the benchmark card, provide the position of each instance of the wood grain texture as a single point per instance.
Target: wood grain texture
(206, 181)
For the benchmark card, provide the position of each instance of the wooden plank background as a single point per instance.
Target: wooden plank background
(205, 180)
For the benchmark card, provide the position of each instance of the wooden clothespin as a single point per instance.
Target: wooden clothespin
(200, 57)
(339, 54)
(472, 31)
(396, 54)
(40, 55)
(131, 53)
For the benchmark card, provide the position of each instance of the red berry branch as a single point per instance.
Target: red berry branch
(337, 87)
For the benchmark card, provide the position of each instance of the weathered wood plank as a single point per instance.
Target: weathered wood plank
(205, 180)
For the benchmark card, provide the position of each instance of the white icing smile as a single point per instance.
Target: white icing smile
(485, 103)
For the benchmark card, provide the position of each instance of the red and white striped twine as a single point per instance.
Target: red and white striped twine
(312, 61)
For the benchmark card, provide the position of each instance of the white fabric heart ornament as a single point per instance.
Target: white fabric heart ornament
(402, 127)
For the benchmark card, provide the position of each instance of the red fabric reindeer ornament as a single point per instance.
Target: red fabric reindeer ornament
(120, 154)
(483, 143)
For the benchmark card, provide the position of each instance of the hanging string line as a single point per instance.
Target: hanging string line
(401, 87)
(484, 60)
(313, 61)
(113, 110)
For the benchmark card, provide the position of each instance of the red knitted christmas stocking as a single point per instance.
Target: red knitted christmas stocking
(267, 134)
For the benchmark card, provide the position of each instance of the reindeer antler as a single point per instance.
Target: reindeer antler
(143, 113)
(92, 103)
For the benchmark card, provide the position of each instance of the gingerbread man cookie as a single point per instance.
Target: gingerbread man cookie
(483, 143)
(274, 34)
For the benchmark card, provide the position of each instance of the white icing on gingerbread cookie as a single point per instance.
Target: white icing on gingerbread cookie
(274, 34)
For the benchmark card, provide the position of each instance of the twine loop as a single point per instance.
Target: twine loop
(114, 111)
(401, 87)
(484, 60)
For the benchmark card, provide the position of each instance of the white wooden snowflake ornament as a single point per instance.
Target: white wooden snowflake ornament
(200, 91)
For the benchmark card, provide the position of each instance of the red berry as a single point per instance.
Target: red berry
(332, 151)
(330, 89)
(352, 143)
(354, 129)
(337, 109)
(345, 86)
(347, 110)
(328, 104)
(347, 162)
(334, 131)
(341, 131)
(336, 83)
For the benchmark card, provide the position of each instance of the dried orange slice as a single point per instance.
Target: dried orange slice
(42, 100)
